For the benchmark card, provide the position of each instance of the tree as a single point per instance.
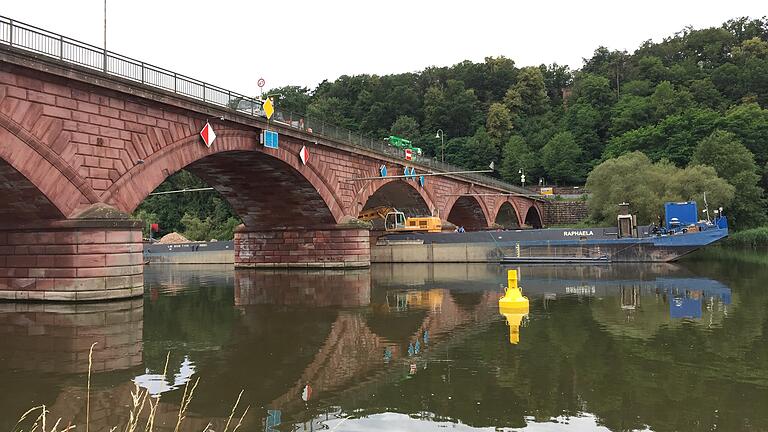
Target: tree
(666, 101)
(630, 112)
(327, 109)
(481, 150)
(406, 127)
(585, 123)
(532, 92)
(647, 186)
(736, 164)
(749, 123)
(515, 156)
(499, 123)
(561, 158)
(652, 69)
(147, 219)
(294, 99)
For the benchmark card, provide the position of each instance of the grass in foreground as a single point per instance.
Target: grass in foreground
(36, 418)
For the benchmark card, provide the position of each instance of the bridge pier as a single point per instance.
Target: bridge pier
(72, 260)
(320, 247)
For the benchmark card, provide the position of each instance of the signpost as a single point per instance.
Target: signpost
(270, 139)
(269, 108)
(208, 134)
(261, 83)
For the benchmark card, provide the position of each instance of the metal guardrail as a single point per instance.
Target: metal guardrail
(40, 41)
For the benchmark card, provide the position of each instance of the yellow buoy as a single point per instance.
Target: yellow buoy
(514, 307)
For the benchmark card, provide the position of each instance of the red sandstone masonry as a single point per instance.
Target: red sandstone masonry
(338, 247)
(71, 264)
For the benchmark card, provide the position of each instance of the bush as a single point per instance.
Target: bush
(751, 238)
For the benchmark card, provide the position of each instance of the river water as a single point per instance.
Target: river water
(673, 347)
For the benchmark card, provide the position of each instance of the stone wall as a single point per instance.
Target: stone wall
(331, 247)
(565, 212)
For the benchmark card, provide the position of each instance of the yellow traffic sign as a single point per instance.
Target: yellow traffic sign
(269, 108)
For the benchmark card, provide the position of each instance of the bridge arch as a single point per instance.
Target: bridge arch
(533, 217)
(245, 174)
(507, 215)
(37, 184)
(469, 212)
(401, 194)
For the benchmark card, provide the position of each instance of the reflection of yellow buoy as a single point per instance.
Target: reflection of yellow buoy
(514, 307)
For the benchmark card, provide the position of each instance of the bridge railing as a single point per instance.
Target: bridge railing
(27, 37)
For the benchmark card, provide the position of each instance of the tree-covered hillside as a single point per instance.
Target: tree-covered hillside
(662, 99)
(558, 123)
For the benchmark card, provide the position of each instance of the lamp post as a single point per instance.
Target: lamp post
(522, 176)
(440, 134)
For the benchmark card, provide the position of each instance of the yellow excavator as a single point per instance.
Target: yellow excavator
(395, 220)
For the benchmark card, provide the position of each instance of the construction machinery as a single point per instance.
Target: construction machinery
(395, 220)
(402, 143)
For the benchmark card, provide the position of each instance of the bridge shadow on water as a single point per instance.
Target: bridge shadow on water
(341, 349)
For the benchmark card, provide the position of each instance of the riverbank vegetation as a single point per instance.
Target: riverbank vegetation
(697, 98)
(755, 238)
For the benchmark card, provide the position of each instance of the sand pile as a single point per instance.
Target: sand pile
(173, 237)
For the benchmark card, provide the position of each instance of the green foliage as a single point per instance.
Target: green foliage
(750, 238)
(662, 100)
(147, 218)
(499, 123)
(560, 158)
(292, 98)
(515, 156)
(168, 210)
(531, 91)
(406, 127)
(647, 186)
(735, 163)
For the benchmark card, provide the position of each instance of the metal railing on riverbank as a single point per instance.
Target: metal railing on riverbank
(27, 37)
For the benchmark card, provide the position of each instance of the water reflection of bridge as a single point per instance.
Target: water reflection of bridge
(275, 332)
(354, 350)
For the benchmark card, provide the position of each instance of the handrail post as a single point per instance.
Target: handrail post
(61, 47)
(142, 72)
(10, 22)
(203, 92)
(175, 79)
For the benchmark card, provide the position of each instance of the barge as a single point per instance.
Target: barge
(681, 233)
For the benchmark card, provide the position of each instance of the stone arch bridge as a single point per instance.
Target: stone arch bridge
(81, 148)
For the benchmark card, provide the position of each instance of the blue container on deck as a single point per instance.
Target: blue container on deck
(681, 214)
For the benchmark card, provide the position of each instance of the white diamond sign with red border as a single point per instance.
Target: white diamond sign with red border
(208, 134)
(304, 154)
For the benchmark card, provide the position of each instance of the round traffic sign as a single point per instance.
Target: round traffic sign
(261, 82)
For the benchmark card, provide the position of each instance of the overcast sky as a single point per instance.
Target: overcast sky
(232, 43)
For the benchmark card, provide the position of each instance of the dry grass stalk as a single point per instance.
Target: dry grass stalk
(139, 400)
(88, 391)
(40, 421)
(185, 399)
(231, 414)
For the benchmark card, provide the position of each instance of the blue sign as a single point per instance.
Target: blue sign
(409, 173)
(273, 420)
(270, 139)
(383, 170)
(422, 180)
